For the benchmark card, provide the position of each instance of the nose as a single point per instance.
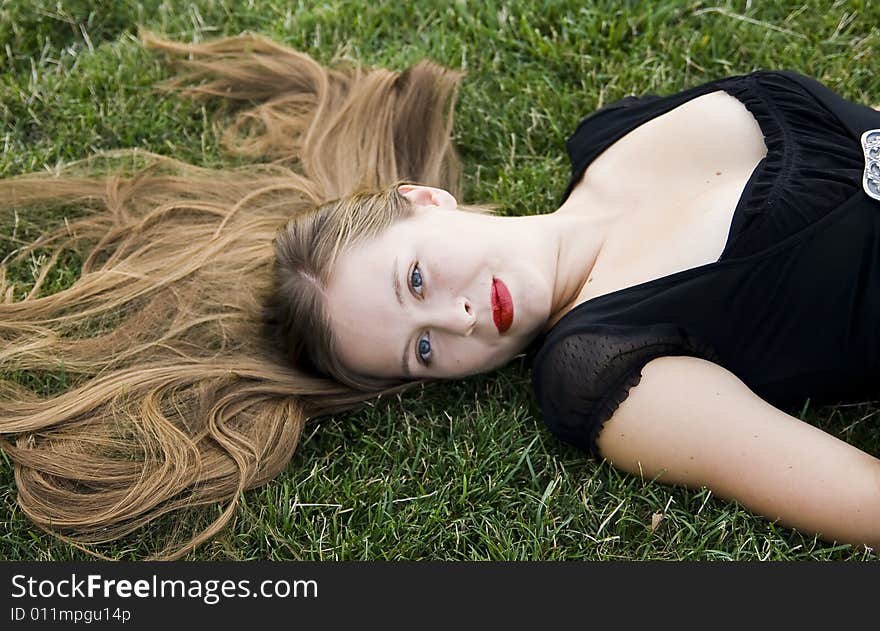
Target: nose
(460, 319)
(470, 318)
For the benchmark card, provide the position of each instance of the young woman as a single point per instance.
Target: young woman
(713, 264)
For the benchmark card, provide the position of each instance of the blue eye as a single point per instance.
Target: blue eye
(424, 350)
(423, 345)
(415, 279)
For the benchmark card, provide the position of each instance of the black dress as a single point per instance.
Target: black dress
(791, 307)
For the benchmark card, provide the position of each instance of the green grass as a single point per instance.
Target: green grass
(462, 470)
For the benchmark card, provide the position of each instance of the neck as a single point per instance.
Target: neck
(566, 243)
(579, 238)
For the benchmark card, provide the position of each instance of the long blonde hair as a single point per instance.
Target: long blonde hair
(195, 334)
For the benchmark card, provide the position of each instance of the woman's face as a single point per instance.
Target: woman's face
(417, 301)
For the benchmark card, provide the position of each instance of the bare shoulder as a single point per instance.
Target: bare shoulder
(654, 428)
(692, 422)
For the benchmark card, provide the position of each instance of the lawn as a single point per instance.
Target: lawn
(461, 470)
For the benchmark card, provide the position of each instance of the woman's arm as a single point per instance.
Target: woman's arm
(692, 422)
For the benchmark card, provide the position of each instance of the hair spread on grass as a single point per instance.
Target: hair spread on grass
(196, 335)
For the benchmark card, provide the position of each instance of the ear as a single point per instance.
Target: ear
(428, 196)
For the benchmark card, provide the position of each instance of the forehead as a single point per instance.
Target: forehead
(365, 317)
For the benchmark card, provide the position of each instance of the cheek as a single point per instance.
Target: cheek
(472, 356)
(458, 259)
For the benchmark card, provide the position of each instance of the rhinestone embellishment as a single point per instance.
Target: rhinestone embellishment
(871, 147)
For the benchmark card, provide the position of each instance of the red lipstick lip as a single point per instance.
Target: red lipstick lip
(502, 306)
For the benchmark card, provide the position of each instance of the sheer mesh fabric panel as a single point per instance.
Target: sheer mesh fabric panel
(582, 378)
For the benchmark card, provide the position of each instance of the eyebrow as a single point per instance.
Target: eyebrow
(395, 282)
